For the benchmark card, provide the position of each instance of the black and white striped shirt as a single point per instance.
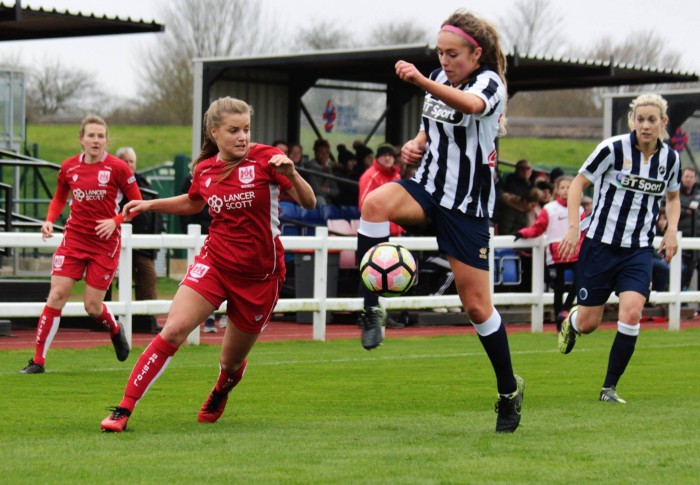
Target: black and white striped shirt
(628, 190)
(457, 167)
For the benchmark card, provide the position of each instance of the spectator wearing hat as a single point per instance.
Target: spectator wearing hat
(383, 170)
(347, 164)
(365, 157)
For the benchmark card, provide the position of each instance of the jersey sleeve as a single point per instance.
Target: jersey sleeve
(597, 162)
(193, 193)
(674, 179)
(59, 198)
(490, 88)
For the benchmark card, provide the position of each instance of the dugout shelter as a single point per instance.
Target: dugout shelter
(275, 85)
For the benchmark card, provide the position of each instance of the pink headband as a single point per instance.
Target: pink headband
(461, 33)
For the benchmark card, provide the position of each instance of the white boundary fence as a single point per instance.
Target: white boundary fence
(319, 303)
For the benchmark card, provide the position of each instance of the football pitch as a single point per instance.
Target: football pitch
(414, 411)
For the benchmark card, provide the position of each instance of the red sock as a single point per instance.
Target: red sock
(226, 382)
(148, 368)
(45, 332)
(108, 320)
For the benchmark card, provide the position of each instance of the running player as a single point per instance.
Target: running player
(96, 181)
(241, 261)
(452, 189)
(631, 174)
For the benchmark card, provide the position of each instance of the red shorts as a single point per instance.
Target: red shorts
(250, 302)
(99, 269)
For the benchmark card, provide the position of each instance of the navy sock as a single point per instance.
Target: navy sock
(364, 244)
(496, 346)
(620, 355)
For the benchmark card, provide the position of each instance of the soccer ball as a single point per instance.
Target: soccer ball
(388, 269)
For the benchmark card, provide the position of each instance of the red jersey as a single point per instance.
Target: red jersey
(245, 228)
(96, 190)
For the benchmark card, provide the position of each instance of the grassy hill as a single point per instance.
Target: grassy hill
(153, 144)
(157, 144)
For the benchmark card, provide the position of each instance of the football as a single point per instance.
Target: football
(388, 269)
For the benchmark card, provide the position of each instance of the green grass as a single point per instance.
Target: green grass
(153, 144)
(547, 153)
(417, 410)
(157, 144)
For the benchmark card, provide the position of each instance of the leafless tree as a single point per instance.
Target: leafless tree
(54, 88)
(533, 27)
(198, 28)
(324, 35)
(404, 32)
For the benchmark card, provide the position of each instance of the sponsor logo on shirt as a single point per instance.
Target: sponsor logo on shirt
(438, 111)
(639, 184)
(240, 200)
(89, 195)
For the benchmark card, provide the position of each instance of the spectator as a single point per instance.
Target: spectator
(326, 190)
(383, 170)
(282, 145)
(91, 240)
(518, 212)
(689, 223)
(554, 174)
(519, 182)
(347, 164)
(553, 222)
(587, 204)
(241, 262)
(296, 154)
(547, 192)
(365, 158)
(143, 266)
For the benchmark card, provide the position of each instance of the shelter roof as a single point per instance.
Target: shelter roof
(19, 22)
(525, 73)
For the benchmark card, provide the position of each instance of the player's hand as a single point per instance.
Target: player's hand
(669, 246)
(282, 164)
(408, 72)
(46, 230)
(412, 151)
(105, 228)
(134, 208)
(569, 244)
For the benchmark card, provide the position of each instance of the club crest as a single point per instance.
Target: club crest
(199, 270)
(58, 261)
(246, 174)
(103, 176)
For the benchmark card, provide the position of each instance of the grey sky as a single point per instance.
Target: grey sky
(115, 58)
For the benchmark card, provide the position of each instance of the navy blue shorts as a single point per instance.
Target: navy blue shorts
(465, 238)
(602, 269)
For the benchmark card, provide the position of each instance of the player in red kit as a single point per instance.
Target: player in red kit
(96, 182)
(241, 261)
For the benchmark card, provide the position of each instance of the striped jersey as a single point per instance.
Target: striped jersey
(460, 158)
(244, 233)
(628, 190)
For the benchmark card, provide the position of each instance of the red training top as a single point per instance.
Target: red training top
(244, 233)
